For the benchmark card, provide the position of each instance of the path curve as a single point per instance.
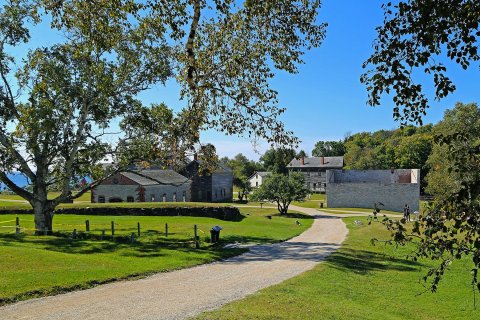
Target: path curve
(185, 293)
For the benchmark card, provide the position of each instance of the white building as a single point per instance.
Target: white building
(257, 178)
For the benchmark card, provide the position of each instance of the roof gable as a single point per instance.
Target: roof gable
(316, 162)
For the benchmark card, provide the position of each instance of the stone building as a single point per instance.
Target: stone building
(143, 186)
(315, 170)
(257, 178)
(214, 187)
(363, 188)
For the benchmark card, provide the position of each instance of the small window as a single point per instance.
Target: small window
(130, 199)
(101, 199)
(164, 197)
(184, 196)
(257, 183)
(174, 197)
(314, 186)
(256, 177)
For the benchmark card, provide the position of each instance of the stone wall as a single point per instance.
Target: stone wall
(222, 187)
(362, 188)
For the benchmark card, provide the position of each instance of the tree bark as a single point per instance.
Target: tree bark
(43, 214)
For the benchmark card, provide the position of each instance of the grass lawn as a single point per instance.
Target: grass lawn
(34, 266)
(361, 281)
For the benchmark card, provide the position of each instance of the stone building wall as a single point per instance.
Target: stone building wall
(362, 188)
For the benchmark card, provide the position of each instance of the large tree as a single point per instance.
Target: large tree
(277, 159)
(51, 130)
(221, 53)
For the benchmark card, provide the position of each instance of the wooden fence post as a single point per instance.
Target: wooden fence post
(87, 225)
(197, 243)
(166, 229)
(113, 228)
(17, 225)
(138, 229)
(103, 234)
(74, 235)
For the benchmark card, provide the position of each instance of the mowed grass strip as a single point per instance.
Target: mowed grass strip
(361, 281)
(35, 266)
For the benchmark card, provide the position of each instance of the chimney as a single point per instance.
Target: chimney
(322, 160)
(195, 156)
(302, 161)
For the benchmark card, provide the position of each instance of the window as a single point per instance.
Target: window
(152, 198)
(174, 197)
(101, 199)
(256, 176)
(308, 185)
(130, 199)
(184, 196)
(164, 197)
(314, 186)
(257, 184)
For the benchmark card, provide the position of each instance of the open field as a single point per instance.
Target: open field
(361, 281)
(34, 266)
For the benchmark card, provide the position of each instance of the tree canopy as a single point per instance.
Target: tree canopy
(416, 37)
(223, 55)
(282, 190)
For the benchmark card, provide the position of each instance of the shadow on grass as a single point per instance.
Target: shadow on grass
(364, 262)
(150, 244)
(294, 216)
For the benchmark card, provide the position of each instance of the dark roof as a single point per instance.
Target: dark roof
(149, 177)
(144, 181)
(164, 176)
(260, 173)
(221, 167)
(316, 162)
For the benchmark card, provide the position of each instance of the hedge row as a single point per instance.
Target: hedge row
(223, 213)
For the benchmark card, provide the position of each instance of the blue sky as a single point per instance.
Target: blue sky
(325, 100)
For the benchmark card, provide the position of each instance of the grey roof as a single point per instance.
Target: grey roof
(316, 162)
(144, 181)
(262, 174)
(150, 177)
(164, 176)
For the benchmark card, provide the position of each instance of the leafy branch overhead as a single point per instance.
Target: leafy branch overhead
(415, 37)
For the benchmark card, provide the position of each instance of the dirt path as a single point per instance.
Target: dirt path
(185, 293)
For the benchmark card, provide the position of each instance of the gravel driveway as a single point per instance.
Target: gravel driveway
(188, 292)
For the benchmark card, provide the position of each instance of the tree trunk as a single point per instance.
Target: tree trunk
(43, 217)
